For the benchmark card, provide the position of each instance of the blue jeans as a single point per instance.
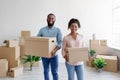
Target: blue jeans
(53, 62)
(71, 69)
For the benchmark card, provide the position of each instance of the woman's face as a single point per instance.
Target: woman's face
(74, 27)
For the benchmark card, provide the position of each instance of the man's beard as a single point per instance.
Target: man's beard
(50, 24)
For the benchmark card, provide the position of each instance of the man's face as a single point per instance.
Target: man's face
(51, 20)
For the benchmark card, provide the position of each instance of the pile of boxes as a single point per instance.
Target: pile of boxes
(102, 50)
(100, 46)
(10, 52)
(24, 35)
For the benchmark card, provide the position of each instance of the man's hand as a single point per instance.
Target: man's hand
(53, 53)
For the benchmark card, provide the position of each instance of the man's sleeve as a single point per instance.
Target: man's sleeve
(39, 33)
(59, 38)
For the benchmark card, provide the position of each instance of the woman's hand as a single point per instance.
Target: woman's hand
(66, 58)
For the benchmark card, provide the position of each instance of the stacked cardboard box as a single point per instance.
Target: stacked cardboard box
(3, 67)
(22, 50)
(90, 62)
(24, 35)
(103, 42)
(22, 40)
(16, 71)
(11, 52)
(40, 46)
(77, 54)
(11, 43)
(100, 46)
(112, 62)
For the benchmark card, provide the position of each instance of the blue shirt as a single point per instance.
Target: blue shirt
(51, 32)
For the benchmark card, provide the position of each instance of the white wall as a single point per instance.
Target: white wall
(16, 15)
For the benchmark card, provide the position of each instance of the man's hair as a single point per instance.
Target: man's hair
(73, 20)
(50, 14)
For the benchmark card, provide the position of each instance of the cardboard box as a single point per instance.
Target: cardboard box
(112, 62)
(18, 62)
(11, 54)
(13, 63)
(25, 33)
(40, 46)
(11, 43)
(22, 40)
(22, 50)
(16, 71)
(100, 49)
(90, 62)
(103, 42)
(94, 42)
(98, 46)
(77, 54)
(3, 67)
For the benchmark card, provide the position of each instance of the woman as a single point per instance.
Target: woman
(72, 40)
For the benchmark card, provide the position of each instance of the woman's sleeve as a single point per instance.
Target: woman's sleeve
(64, 43)
(83, 42)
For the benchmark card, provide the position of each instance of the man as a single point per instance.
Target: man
(51, 31)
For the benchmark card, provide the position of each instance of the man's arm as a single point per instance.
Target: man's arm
(54, 51)
(59, 43)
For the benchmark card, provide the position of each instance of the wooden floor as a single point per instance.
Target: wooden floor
(90, 74)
